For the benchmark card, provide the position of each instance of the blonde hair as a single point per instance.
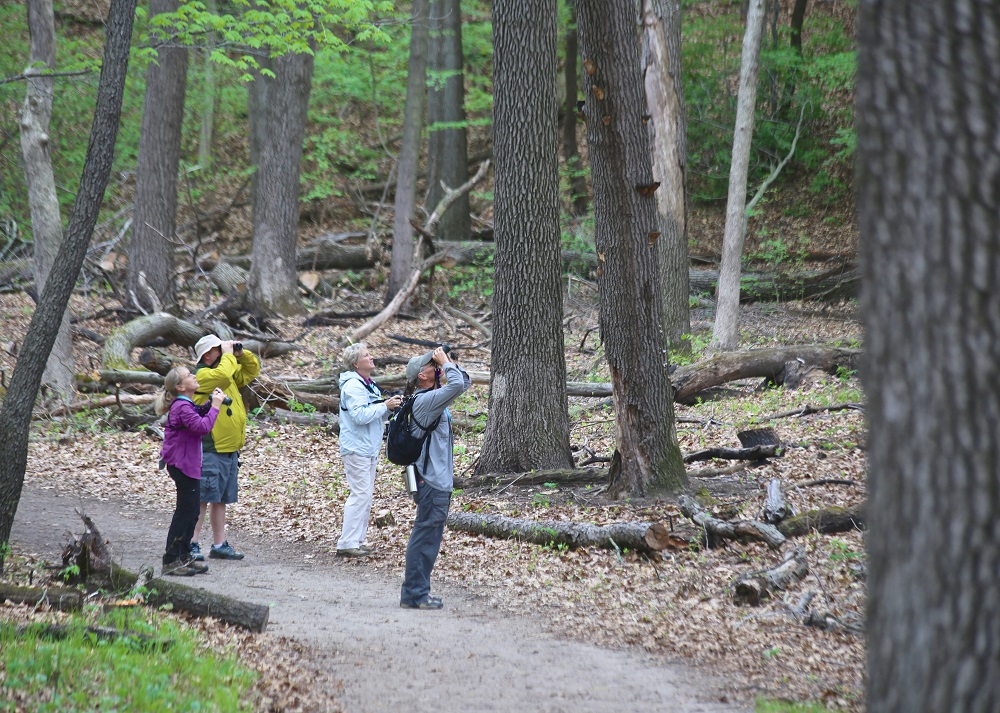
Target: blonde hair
(350, 356)
(168, 393)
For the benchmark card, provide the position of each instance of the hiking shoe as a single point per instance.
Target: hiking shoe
(198, 567)
(353, 552)
(367, 548)
(179, 569)
(429, 603)
(224, 551)
(196, 554)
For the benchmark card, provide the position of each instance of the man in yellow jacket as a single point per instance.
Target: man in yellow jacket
(226, 366)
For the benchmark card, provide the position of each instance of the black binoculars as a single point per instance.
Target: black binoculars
(227, 401)
(237, 346)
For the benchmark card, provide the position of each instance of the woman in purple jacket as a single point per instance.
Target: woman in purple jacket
(181, 455)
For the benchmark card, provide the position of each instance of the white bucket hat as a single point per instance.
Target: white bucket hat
(205, 344)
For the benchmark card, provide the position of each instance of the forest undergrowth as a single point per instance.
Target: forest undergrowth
(677, 604)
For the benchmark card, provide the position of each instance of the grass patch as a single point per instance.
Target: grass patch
(81, 672)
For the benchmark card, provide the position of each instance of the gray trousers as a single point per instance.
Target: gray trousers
(425, 542)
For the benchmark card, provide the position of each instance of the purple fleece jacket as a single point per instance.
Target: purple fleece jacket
(186, 424)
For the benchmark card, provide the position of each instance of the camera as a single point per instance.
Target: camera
(227, 401)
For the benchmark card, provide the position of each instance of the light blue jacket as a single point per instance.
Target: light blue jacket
(363, 416)
(438, 453)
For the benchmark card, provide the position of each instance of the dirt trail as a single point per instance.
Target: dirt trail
(467, 657)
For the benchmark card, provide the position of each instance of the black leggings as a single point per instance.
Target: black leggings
(185, 516)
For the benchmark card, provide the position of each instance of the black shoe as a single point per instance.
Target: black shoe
(224, 551)
(429, 603)
(353, 552)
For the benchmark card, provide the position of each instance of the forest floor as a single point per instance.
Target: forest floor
(541, 609)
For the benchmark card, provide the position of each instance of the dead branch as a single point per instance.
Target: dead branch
(740, 530)
(754, 453)
(470, 320)
(827, 520)
(808, 409)
(54, 597)
(569, 476)
(103, 402)
(620, 536)
(754, 588)
(776, 508)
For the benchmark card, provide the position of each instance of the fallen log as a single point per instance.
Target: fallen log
(197, 602)
(754, 453)
(103, 402)
(55, 597)
(104, 633)
(827, 520)
(688, 381)
(776, 508)
(741, 530)
(571, 476)
(836, 283)
(754, 588)
(619, 536)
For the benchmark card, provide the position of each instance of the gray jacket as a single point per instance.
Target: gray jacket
(438, 452)
(363, 415)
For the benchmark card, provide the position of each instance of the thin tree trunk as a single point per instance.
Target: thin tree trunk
(46, 220)
(661, 22)
(207, 129)
(647, 460)
(150, 280)
(929, 213)
(529, 425)
(727, 315)
(571, 152)
(15, 418)
(409, 152)
(278, 109)
(447, 153)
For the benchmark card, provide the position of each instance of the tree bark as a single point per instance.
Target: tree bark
(826, 520)
(648, 459)
(571, 151)
(278, 108)
(55, 597)
(198, 602)
(928, 189)
(403, 247)
(661, 61)
(620, 536)
(528, 426)
(447, 152)
(716, 529)
(754, 588)
(150, 277)
(46, 221)
(15, 418)
(726, 336)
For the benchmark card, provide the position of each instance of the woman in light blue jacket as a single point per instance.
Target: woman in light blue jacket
(363, 415)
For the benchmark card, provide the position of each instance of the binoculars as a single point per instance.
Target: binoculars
(227, 401)
(237, 346)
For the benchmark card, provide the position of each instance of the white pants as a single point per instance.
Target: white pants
(360, 472)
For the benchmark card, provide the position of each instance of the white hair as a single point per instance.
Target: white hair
(350, 356)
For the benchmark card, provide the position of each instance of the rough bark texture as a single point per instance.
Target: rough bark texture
(198, 602)
(447, 152)
(403, 247)
(528, 426)
(15, 418)
(571, 151)
(46, 221)
(649, 459)
(55, 597)
(620, 536)
(929, 207)
(277, 127)
(661, 61)
(827, 520)
(151, 253)
(727, 317)
(118, 347)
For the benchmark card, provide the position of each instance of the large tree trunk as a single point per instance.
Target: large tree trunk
(929, 206)
(571, 152)
(648, 459)
(150, 280)
(661, 22)
(447, 152)
(277, 128)
(46, 221)
(15, 418)
(726, 335)
(403, 247)
(529, 425)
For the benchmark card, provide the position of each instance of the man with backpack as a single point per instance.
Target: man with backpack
(435, 469)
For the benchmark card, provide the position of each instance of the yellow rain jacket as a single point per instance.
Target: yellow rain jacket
(229, 433)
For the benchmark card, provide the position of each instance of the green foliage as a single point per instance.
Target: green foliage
(300, 407)
(814, 85)
(81, 672)
(773, 706)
